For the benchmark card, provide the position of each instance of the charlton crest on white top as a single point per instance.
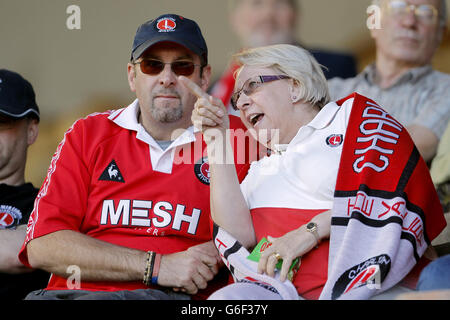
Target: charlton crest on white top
(335, 140)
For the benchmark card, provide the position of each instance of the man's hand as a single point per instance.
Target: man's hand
(189, 270)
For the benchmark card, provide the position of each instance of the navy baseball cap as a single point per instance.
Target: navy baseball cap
(17, 98)
(173, 28)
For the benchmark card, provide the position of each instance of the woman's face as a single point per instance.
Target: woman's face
(268, 110)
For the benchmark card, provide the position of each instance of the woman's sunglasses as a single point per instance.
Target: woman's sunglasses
(251, 85)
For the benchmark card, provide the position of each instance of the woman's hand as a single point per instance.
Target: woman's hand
(291, 245)
(287, 247)
(209, 114)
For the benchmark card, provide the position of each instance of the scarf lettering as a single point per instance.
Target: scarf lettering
(378, 129)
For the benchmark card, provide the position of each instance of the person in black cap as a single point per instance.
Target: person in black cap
(19, 119)
(124, 211)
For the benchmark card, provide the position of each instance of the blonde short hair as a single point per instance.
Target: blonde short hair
(293, 61)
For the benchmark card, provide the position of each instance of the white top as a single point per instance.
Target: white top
(304, 175)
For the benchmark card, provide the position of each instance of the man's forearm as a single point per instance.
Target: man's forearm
(11, 241)
(425, 140)
(97, 260)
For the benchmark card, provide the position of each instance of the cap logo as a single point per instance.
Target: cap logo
(166, 24)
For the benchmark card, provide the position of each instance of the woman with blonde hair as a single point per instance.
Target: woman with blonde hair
(315, 197)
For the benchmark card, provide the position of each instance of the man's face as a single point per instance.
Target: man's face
(263, 22)
(162, 99)
(15, 137)
(406, 37)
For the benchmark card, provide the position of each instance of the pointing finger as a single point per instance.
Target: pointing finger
(193, 87)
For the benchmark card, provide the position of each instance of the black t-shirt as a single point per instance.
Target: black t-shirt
(16, 204)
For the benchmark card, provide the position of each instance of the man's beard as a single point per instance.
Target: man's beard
(165, 112)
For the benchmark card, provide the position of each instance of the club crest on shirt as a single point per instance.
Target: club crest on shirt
(335, 140)
(9, 216)
(201, 170)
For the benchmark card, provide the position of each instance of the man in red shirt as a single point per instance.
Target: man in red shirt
(125, 204)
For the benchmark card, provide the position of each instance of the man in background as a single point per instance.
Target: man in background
(266, 22)
(19, 120)
(402, 79)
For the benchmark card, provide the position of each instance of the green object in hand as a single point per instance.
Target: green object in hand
(263, 245)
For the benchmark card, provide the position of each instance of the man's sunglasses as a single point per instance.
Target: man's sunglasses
(180, 68)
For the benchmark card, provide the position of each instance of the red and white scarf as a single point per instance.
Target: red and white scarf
(385, 214)
(386, 210)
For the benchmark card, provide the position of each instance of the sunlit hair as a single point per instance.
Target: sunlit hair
(293, 61)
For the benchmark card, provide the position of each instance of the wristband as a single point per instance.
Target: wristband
(149, 268)
(157, 262)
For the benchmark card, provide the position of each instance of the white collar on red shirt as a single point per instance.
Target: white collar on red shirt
(127, 118)
(162, 160)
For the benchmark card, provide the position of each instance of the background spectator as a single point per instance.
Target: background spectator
(266, 22)
(402, 79)
(19, 120)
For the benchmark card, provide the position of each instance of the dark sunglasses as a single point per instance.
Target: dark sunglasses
(180, 68)
(251, 85)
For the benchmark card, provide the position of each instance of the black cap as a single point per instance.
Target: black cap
(173, 28)
(17, 98)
